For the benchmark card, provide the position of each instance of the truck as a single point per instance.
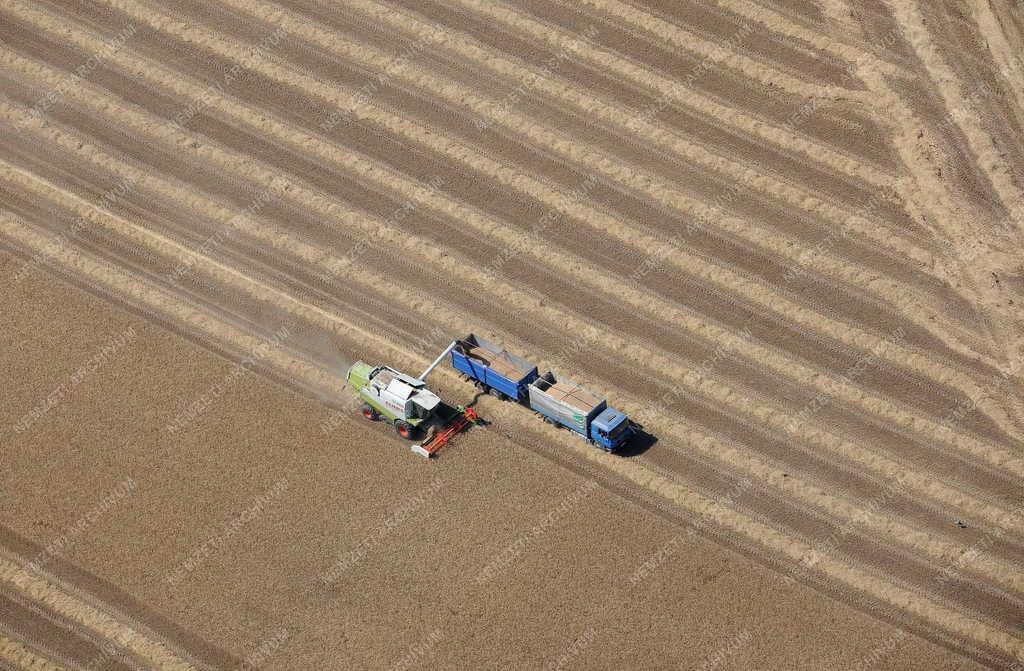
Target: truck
(566, 403)
(557, 400)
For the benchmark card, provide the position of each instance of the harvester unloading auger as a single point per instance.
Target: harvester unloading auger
(408, 404)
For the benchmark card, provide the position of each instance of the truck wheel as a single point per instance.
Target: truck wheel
(497, 394)
(369, 413)
(407, 431)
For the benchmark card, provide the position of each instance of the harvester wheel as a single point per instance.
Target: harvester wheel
(407, 431)
(369, 413)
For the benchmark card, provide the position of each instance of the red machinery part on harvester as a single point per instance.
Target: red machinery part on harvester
(440, 439)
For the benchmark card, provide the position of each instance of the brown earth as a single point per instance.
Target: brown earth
(495, 556)
(781, 235)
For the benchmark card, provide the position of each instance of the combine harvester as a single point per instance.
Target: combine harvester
(406, 402)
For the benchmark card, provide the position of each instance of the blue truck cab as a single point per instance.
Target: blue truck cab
(610, 429)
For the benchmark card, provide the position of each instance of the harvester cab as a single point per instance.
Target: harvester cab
(394, 396)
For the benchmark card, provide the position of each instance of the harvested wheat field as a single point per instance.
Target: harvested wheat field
(785, 236)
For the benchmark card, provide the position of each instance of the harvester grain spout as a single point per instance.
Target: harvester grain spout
(424, 374)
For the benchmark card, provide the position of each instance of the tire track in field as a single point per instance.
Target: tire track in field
(176, 139)
(823, 262)
(783, 25)
(948, 86)
(455, 266)
(155, 300)
(52, 637)
(982, 632)
(677, 92)
(597, 279)
(838, 14)
(582, 155)
(980, 247)
(49, 592)
(1008, 61)
(680, 38)
(643, 126)
(875, 523)
(670, 254)
(23, 657)
(875, 72)
(414, 301)
(805, 555)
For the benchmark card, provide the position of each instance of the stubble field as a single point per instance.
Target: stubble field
(783, 236)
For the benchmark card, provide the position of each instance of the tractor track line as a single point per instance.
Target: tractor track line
(779, 23)
(679, 93)
(259, 253)
(629, 121)
(991, 240)
(915, 572)
(659, 26)
(313, 200)
(110, 280)
(802, 430)
(516, 178)
(681, 38)
(912, 304)
(735, 497)
(48, 591)
(1007, 60)
(584, 79)
(917, 306)
(178, 91)
(872, 522)
(838, 14)
(600, 281)
(58, 639)
(859, 579)
(949, 87)
(23, 657)
(980, 249)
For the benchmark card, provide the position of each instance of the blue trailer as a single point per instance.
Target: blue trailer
(492, 368)
(559, 401)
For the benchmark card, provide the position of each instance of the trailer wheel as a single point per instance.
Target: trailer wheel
(405, 430)
(369, 413)
(497, 394)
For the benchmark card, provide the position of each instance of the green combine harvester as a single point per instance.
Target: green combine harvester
(393, 396)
